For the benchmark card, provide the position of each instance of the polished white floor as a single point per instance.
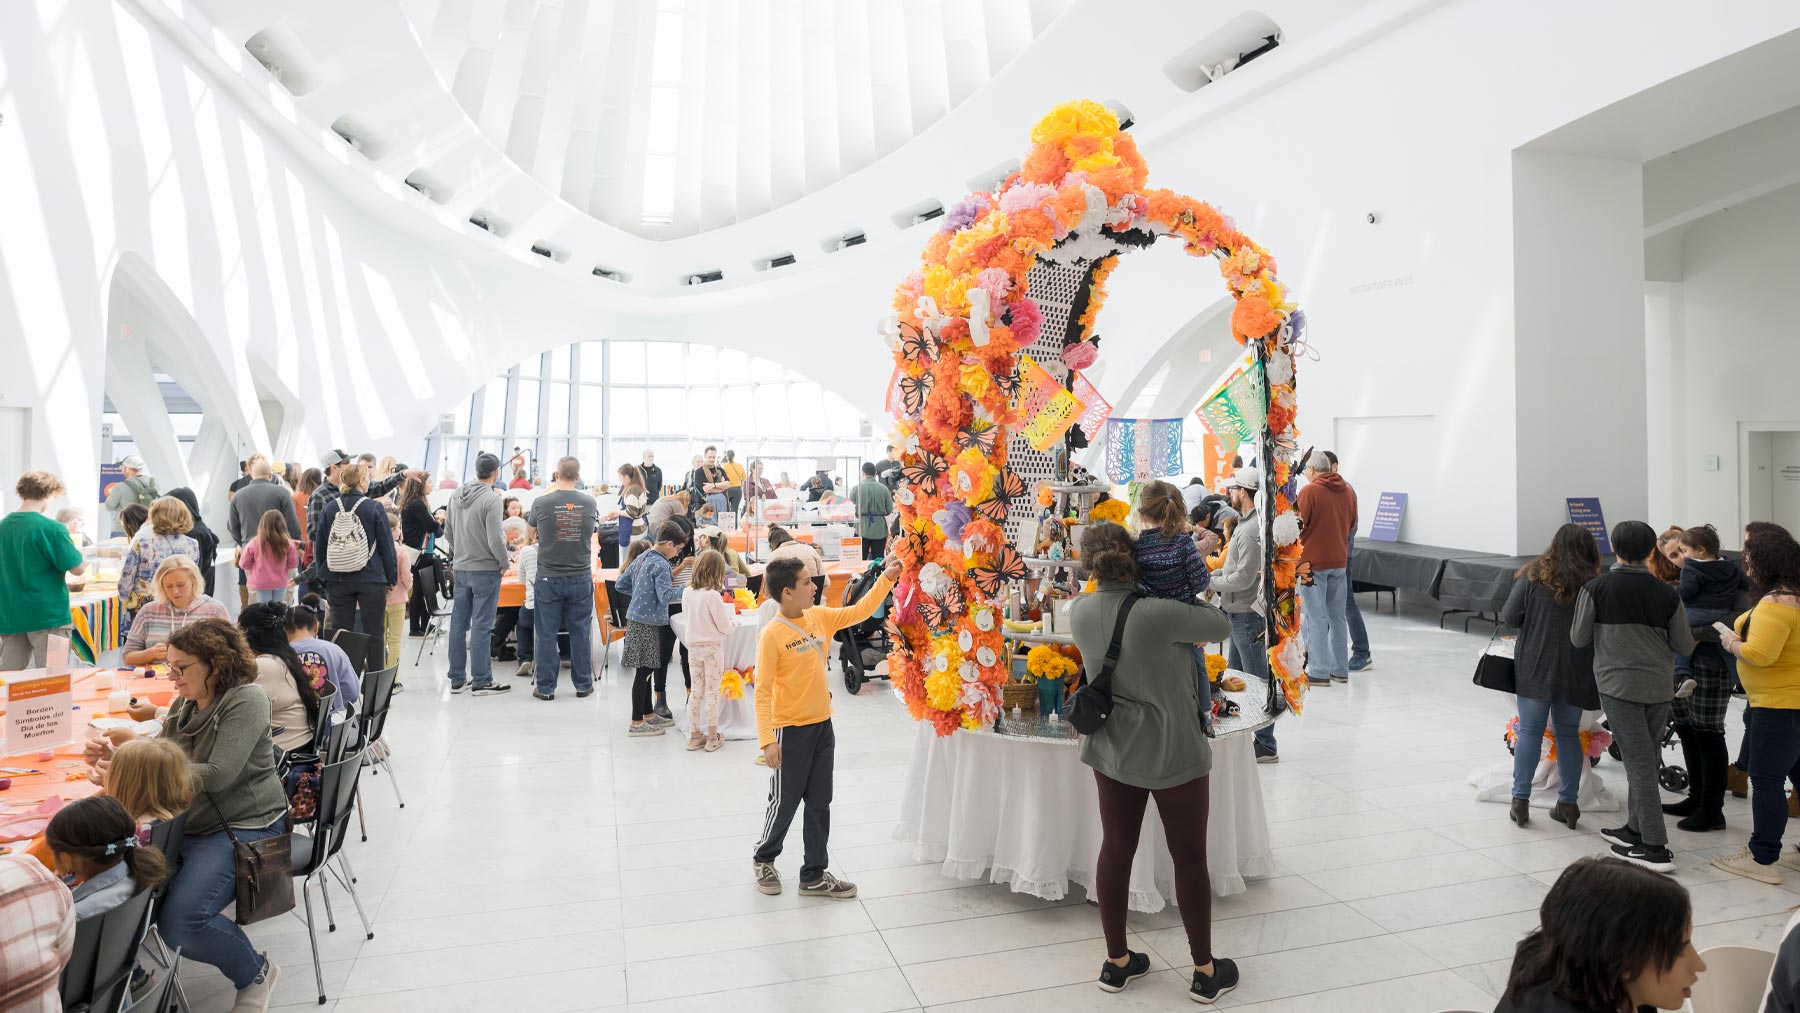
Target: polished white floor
(545, 863)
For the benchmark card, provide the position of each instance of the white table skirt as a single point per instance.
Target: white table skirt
(1028, 814)
(737, 718)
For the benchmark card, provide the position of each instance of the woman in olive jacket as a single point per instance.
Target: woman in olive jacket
(1153, 743)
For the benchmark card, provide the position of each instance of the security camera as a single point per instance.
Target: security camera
(1373, 218)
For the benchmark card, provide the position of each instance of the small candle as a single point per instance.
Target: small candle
(46, 755)
(103, 680)
(117, 701)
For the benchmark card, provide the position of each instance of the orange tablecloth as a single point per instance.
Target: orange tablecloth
(512, 590)
(90, 702)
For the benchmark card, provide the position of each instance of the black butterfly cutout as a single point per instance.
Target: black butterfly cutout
(1008, 384)
(992, 580)
(938, 613)
(926, 473)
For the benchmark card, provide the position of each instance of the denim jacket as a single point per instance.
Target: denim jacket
(650, 602)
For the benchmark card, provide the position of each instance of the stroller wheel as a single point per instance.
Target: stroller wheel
(1593, 761)
(1673, 778)
(850, 658)
(1613, 750)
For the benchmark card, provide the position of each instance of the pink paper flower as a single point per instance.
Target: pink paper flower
(1079, 355)
(1027, 320)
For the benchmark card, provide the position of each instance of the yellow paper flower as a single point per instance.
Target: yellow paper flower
(731, 685)
(943, 689)
(1115, 510)
(1083, 117)
(972, 477)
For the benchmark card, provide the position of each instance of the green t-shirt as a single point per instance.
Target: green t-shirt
(35, 553)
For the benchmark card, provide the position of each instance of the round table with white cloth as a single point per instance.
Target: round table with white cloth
(737, 718)
(1027, 813)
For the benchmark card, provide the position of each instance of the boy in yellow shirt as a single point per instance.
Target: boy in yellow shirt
(793, 720)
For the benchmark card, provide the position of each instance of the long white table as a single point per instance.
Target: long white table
(737, 718)
(1025, 812)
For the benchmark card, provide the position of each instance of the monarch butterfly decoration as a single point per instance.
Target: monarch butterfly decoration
(978, 436)
(917, 345)
(913, 392)
(1016, 268)
(927, 471)
(1007, 567)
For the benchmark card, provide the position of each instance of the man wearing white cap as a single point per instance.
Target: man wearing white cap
(137, 487)
(1239, 583)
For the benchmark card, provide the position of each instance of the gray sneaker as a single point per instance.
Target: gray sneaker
(658, 720)
(644, 730)
(829, 886)
(767, 879)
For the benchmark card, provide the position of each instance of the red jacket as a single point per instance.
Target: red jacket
(1327, 507)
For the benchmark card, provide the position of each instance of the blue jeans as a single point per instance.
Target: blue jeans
(718, 502)
(472, 608)
(1359, 634)
(558, 602)
(1565, 720)
(277, 594)
(204, 885)
(1205, 681)
(1323, 625)
(1773, 742)
(1249, 653)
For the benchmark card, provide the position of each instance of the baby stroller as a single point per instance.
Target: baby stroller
(865, 645)
(1672, 776)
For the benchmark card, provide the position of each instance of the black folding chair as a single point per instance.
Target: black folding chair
(312, 855)
(166, 836)
(378, 695)
(97, 978)
(357, 646)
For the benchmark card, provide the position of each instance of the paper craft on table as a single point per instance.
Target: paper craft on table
(26, 825)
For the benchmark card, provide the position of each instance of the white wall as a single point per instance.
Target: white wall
(1735, 355)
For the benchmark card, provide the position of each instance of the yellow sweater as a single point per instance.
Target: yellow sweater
(1769, 661)
(790, 664)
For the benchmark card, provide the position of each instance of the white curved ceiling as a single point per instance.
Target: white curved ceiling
(665, 118)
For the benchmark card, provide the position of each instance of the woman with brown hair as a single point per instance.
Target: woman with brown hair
(1555, 678)
(221, 720)
(1153, 742)
(1665, 562)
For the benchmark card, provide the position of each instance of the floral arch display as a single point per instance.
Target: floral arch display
(989, 335)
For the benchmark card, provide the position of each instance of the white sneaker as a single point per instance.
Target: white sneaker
(1686, 689)
(255, 999)
(1742, 863)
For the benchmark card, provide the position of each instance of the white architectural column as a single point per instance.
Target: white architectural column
(1579, 350)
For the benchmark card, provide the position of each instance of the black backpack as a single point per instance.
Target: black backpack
(1093, 703)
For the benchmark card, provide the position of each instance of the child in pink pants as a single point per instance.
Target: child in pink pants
(709, 620)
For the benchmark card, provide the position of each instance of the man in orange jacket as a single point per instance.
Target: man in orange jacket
(793, 720)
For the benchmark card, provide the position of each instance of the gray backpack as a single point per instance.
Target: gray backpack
(347, 548)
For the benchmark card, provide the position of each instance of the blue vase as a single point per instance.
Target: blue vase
(1050, 696)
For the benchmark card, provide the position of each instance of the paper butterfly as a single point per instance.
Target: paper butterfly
(917, 345)
(913, 390)
(979, 437)
(927, 471)
(991, 581)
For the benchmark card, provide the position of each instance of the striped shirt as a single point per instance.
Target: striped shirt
(1170, 566)
(157, 621)
(37, 934)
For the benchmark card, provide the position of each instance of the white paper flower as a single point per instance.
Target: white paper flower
(889, 329)
(978, 317)
(1287, 528)
(934, 581)
(1281, 368)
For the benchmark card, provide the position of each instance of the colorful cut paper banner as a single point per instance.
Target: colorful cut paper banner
(1045, 404)
(1098, 408)
(1237, 412)
(1139, 449)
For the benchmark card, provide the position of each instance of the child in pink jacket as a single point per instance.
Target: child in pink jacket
(709, 620)
(270, 559)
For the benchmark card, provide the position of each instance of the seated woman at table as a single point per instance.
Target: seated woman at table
(178, 604)
(324, 662)
(1153, 743)
(293, 700)
(709, 621)
(220, 718)
(169, 525)
(783, 545)
(94, 845)
(1612, 937)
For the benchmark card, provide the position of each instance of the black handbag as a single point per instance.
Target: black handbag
(265, 874)
(1092, 703)
(1494, 671)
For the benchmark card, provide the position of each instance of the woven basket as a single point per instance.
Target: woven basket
(1022, 695)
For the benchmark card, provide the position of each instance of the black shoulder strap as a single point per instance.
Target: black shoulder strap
(1104, 679)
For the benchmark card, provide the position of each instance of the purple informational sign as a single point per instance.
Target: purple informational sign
(1585, 511)
(1388, 511)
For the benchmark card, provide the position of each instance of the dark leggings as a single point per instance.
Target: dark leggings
(1183, 809)
(642, 700)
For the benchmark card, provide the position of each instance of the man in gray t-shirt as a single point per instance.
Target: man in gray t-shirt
(563, 593)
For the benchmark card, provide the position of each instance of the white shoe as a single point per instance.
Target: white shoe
(1742, 863)
(1686, 689)
(255, 999)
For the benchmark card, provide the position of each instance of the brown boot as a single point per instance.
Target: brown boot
(1566, 813)
(1737, 781)
(1521, 811)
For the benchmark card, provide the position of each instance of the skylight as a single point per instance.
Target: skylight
(662, 139)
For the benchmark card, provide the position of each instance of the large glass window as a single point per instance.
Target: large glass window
(608, 401)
